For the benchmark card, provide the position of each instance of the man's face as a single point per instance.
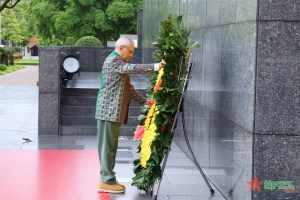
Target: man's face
(127, 52)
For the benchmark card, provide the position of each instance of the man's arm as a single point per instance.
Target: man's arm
(122, 67)
(137, 96)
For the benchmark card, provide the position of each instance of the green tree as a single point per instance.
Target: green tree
(43, 14)
(10, 26)
(22, 11)
(55, 20)
(8, 4)
(15, 23)
(122, 17)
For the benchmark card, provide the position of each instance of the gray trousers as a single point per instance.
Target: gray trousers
(108, 134)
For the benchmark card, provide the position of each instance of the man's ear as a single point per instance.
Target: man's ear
(119, 49)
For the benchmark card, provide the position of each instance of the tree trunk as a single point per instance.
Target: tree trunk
(4, 60)
(11, 60)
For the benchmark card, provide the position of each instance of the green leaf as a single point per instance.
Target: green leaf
(193, 44)
(155, 156)
(141, 117)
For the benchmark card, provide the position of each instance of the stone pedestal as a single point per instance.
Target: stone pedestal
(50, 89)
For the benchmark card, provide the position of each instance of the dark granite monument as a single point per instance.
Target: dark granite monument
(243, 101)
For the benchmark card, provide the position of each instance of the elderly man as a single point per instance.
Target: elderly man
(112, 105)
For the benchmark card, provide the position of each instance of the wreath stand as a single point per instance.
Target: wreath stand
(179, 110)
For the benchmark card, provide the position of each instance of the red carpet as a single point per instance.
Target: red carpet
(50, 175)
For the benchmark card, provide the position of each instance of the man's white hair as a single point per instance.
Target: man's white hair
(124, 41)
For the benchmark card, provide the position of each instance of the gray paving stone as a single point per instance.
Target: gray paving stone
(19, 119)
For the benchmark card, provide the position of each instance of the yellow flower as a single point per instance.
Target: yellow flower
(149, 136)
(150, 115)
(160, 73)
(150, 128)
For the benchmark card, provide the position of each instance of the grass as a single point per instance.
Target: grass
(11, 69)
(26, 62)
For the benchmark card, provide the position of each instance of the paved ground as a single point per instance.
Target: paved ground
(19, 119)
(24, 77)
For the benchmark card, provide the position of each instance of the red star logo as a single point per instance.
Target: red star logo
(255, 184)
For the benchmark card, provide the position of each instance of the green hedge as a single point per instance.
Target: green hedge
(9, 69)
(70, 41)
(3, 67)
(89, 41)
(9, 51)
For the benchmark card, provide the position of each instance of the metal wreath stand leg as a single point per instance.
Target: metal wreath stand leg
(181, 109)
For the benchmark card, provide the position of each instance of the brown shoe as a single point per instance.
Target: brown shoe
(120, 184)
(115, 188)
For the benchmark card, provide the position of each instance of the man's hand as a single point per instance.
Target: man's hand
(158, 66)
(162, 63)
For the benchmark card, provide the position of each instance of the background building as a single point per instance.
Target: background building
(32, 48)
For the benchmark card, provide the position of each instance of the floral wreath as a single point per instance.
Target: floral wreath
(165, 89)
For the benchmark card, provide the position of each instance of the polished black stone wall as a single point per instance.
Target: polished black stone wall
(242, 106)
(277, 114)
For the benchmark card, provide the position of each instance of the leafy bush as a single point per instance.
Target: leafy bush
(70, 41)
(10, 50)
(3, 51)
(10, 69)
(3, 67)
(89, 41)
(7, 51)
